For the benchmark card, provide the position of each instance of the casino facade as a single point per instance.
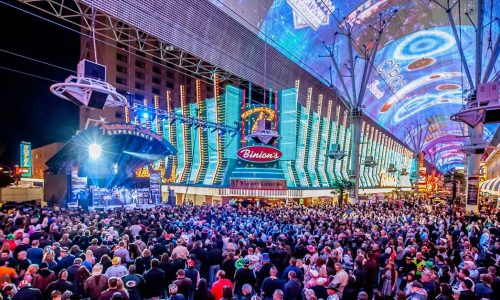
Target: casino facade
(272, 150)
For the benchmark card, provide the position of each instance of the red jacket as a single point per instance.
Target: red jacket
(219, 285)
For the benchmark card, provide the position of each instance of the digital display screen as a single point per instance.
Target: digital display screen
(417, 72)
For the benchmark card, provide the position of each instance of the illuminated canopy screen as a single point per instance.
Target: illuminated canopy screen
(417, 71)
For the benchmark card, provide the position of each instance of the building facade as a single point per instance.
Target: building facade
(40, 156)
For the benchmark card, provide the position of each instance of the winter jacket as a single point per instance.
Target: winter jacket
(43, 278)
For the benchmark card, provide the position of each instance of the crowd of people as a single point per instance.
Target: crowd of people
(408, 250)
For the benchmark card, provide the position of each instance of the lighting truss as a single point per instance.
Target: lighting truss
(190, 121)
(115, 32)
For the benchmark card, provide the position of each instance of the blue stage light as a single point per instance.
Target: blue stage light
(95, 151)
(145, 115)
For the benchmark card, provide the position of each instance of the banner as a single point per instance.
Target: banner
(472, 190)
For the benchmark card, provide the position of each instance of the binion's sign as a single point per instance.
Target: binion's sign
(259, 154)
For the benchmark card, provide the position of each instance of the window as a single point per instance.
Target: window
(170, 75)
(121, 69)
(122, 46)
(118, 115)
(140, 64)
(170, 85)
(140, 53)
(139, 97)
(156, 60)
(188, 80)
(156, 80)
(139, 86)
(156, 70)
(188, 90)
(121, 57)
(155, 91)
(120, 80)
(140, 75)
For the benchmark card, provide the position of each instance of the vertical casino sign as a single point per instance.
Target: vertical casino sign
(25, 159)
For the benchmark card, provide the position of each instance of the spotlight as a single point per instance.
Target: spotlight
(233, 133)
(222, 131)
(95, 151)
(145, 115)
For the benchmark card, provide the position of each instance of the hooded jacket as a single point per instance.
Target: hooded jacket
(43, 278)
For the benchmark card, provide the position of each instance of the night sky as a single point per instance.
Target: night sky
(28, 111)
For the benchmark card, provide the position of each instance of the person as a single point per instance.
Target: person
(35, 253)
(246, 292)
(184, 284)
(217, 287)
(227, 293)
(133, 283)
(446, 292)
(203, 292)
(65, 261)
(155, 281)
(26, 292)
(466, 292)
(112, 289)
(192, 273)
(243, 276)
(417, 292)
(292, 267)
(96, 283)
(278, 295)
(172, 291)
(117, 269)
(429, 284)
(43, 277)
(271, 284)
(332, 290)
(62, 284)
(483, 289)
(81, 276)
(292, 287)
(340, 278)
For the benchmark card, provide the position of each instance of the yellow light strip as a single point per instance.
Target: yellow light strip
(200, 130)
(216, 99)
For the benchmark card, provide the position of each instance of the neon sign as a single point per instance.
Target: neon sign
(259, 154)
(264, 112)
(25, 159)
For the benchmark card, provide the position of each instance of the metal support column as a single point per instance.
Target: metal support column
(356, 142)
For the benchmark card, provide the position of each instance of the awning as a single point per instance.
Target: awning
(491, 186)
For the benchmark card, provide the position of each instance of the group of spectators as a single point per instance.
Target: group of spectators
(407, 250)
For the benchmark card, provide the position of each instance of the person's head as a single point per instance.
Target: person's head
(292, 275)
(202, 284)
(180, 273)
(338, 267)
(467, 284)
(63, 274)
(416, 286)
(463, 273)
(278, 295)
(112, 282)
(132, 269)
(446, 289)
(155, 263)
(293, 261)
(56, 295)
(116, 296)
(172, 289)
(246, 289)
(487, 279)
(273, 271)
(426, 276)
(492, 271)
(221, 274)
(419, 256)
(227, 292)
(362, 296)
(22, 255)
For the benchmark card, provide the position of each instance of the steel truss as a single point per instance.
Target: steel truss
(117, 33)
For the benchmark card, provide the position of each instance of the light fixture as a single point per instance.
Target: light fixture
(145, 115)
(95, 151)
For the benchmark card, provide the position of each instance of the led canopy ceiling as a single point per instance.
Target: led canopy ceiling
(417, 70)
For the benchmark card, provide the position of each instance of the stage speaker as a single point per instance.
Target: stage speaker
(492, 116)
(97, 99)
(87, 68)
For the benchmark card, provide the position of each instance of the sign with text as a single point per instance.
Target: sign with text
(472, 190)
(25, 159)
(259, 154)
(258, 184)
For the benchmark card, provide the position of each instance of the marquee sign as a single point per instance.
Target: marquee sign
(259, 154)
(130, 129)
